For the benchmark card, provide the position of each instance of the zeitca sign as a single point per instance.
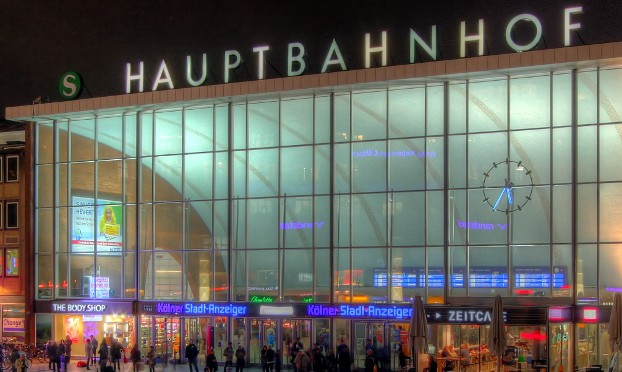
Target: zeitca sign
(295, 63)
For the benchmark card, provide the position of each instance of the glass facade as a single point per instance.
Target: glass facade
(464, 188)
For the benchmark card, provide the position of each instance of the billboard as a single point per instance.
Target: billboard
(98, 226)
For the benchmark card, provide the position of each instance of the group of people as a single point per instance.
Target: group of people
(211, 362)
(59, 354)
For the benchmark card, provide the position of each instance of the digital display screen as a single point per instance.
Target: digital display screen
(538, 277)
(488, 277)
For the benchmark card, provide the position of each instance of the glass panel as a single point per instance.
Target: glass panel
(168, 178)
(168, 275)
(369, 228)
(488, 106)
(341, 117)
(436, 275)
(321, 173)
(562, 99)
(221, 176)
(435, 110)
(342, 158)
(562, 218)
(168, 132)
(129, 176)
(146, 168)
(221, 284)
(532, 148)
(168, 226)
(531, 225)
(198, 176)
(82, 135)
(485, 226)
(239, 269)
(531, 271)
(484, 150)
(81, 272)
(222, 128)
(457, 172)
(369, 115)
(12, 261)
(45, 191)
(586, 220)
(458, 217)
(610, 151)
(343, 276)
(322, 119)
(130, 227)
(457, 108)
(130, 134)
(239, 126)
(110, 179)
(435, 163)
(407, 218)
(298, 226)
(11, 221)
(322, 276)
(406, 163)
(587, 97)
(562, 271)
(199, 276)
(238, 221)
(263, 223)
(66, 231)
(45, 276)
(530, 102)
(45, 142)
(263, 273)
(587, 274)
(488, 271)
(198, 216)
(263, 168)
(146, 133)
(263, 124)
(403, 281)
(562, 156)
(406, 112)
(109, 278)
(610, 97)
(221, 224)
(198, 130)
(62, 148)
(364, 262)
(62, 184)
(369, 166)
(610, 229)
(45, 227)
(297, 122)
(297, 275)
(297, 171)
(146, 228)
(322, 210)
(109, 137)
(435, 217)
(587, 154)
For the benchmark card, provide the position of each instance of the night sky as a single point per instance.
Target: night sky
(41, 40)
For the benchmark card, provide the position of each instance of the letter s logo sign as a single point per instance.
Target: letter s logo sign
(70, 85)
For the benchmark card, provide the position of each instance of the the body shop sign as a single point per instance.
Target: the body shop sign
(84, 307)
(13, 324)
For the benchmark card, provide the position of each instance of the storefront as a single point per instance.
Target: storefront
(79, 320)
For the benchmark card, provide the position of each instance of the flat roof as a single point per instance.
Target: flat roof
(588, 56)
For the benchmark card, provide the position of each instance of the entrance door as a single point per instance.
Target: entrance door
(263, 332)
(378, 335)
(167, 338)
(294, 330)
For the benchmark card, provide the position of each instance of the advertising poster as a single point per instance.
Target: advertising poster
(13, 324)
(101, 225)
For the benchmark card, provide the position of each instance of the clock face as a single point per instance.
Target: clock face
(507, 186)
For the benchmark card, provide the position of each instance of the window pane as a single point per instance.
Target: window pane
(610, 228)
(586, 97)
(531, 269)
(109, 137)
(587, 273)
(435, 217)
(263, 177)
(322, 219)
(322, 119)
(484, 150)
(610, 152)
(82, 134)
(82, 180)
(341, 115)
(297, 171)
(297, 122)
(488, 106)
(562, 99)
(369, 115)
(198, 174)
(45, 142)
(168, 231)
(298, 227)
(406, 113)
(198, 130)
(45, 227)
(457, 108)
(369, 227)
(129, 275)
(610, 97)
(199, 229)
(586, 220)
(297, 274)
(610, 270)
(406, 163)
(407, 218)
(199, 278)
(62, 147)
(263, 124)
(407, 264)
(130, 134)
(110, 178)
(321, 171)
(562, 218)
(322, 276)
(435, 109)
(263, 223)
(530, 102)
(562, 156)
(369, 166)
(263, 273)
(12, 216)
(45, 191)
(563, 267)
(167, 178)
(435, 163)
(168, 135)
(108, 281)
(222, 128)
(488, 270)
(587, 154)
(146, 133)
(45, 276)
(364, 262)
(342, 158)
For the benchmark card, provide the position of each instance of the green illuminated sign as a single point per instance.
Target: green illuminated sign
(262, 299)
(70, 85)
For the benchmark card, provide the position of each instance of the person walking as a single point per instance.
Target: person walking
(13, 357)
(240, 359)
(135, 356)
(67, 343)
(54, 356)
(115, 354)
(191, 354)
(22, 364)
(62, 349)
(88, 351)
(277, 360)
(210, 361)
(302, 361)
(104, 354)
(47, 352)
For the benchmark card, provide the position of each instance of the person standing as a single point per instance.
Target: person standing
(22, 364)
(67, 351)
(115, 354)
(228, 354)
(104, 353)
(47, 352)
(13, 359)
(151, 359)
(54, 356)
(264, 361)
(88, 351)
(270, 359)
(240, 359)
(62, 349)
(191, 354)
(135, 356)
(210, 360)
(344, 360)
(94, 345)
(302, 361)
(293, 351)
(277, 361)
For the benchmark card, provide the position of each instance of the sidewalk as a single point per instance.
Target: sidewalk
(127, 367)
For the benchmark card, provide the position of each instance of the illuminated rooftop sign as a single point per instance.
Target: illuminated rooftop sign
(201, 309)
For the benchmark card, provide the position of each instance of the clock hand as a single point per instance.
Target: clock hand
(510, 196)
(494, 207)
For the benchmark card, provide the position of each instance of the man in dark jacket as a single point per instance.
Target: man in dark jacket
(67, 351)
(192, 353)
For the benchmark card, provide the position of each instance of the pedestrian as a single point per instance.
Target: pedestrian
(22, 364)
(62, 349)
(270, 359)
(115, 354)
(88, 351)
(67, 351)
(369, 361)
(210, 361)
(240, 359)
(54, 356)
(344, 360)
(104, 354)
(135, 356)
(191, 354)
(228, 354)
(94, 345)
(151, 359)
(13, 359)
(302, 361)
(47, 352)
(277, 360)
(318, 359)
(264, 359)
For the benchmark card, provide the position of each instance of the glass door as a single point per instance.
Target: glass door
(559, 339)
(167, 340)
(262, 332)
(374, 335)
(294, 330)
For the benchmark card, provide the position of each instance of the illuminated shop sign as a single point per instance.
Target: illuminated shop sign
(84, 307)
(200, 309)
(476, 225)
(298, 225)
(262, 299)
(360, 311)
(371, 153)
(423, 40)
(13, 324)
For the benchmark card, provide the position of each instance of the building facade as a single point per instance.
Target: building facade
(317, 207)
